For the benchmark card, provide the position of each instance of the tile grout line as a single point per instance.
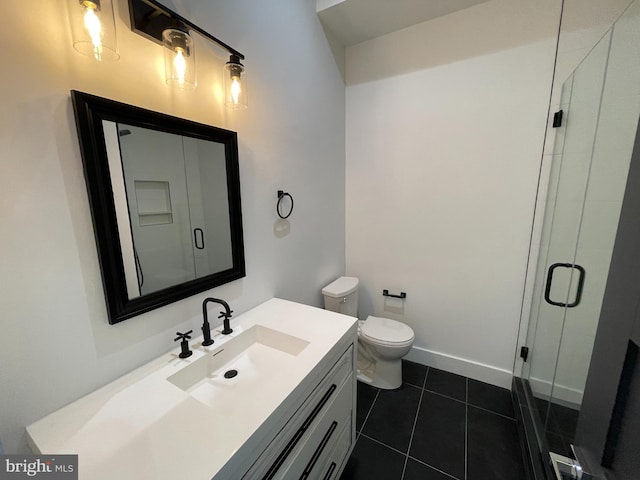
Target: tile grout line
(368, 413)
(407, 454)
(415, 422)
(432, 467)
(506, 417)
(466, 428)
(381, 443)
(445, 396)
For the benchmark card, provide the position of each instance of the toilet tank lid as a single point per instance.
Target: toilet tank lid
(341, 287)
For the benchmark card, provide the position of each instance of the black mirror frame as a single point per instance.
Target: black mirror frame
(90, 111)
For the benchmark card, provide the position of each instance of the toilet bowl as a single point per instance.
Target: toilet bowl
(382, 342)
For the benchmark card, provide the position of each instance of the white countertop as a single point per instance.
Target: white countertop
(141, 426)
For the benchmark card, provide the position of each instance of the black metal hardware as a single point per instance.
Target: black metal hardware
(298, 435)
(149, 18)
(557, 119)
(281, 195)
(319, 406)
(226, 328)
(138, 268)
(524, 353)
(90, 112)
(206, 327)
(184, 344)
(230, 373)
(386, 293)
(547, 290)
(195, 238)
(330, 471)
(319, 450)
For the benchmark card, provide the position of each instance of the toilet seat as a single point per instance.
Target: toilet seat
(384, 331)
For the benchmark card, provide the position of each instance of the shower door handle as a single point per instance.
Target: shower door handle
(200, 245)
(547, 290)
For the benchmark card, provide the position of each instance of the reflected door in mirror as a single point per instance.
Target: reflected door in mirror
(177, 205)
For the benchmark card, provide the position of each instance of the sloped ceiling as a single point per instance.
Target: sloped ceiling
(355, 21)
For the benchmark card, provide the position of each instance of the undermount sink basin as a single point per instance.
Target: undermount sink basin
(253, 360)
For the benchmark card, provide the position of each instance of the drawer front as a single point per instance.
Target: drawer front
(278, 455)
(331, 464)
(318, 446)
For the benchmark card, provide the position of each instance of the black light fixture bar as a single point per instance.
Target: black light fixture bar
(149, 19)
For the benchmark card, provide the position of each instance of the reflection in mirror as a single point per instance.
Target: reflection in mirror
(165, 198)
(177, 207)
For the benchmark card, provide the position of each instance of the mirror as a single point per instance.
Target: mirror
(165, 201)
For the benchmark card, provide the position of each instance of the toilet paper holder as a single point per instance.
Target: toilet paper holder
(386, 293)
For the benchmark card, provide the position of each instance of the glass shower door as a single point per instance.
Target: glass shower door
(611, 153)
(560, 280)
(601, 104)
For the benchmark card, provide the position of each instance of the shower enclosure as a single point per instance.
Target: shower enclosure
(595, 131)
(176, 188)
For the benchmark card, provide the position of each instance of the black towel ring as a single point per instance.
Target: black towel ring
(281, 195)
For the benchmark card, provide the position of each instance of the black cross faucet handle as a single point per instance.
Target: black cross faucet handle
(184, 344)
(183, 336)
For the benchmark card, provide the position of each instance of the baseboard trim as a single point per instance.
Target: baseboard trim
(562, 395)
(461, 366)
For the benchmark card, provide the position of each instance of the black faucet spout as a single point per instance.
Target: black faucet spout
(206, 328)
(226, 315)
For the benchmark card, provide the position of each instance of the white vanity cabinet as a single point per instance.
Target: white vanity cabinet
(316, 441)
(287, 413)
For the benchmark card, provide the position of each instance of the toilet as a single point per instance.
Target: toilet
(382, 342)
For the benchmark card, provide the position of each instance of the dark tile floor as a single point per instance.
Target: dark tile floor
(436, 426)
(560, 424)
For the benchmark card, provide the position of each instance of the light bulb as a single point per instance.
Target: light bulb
(179, 59)
(235, 85)
(180, 65)
(236, 90)
(94, 28)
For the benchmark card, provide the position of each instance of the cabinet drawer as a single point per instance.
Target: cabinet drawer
(279, 455)
(318, 447)
(329, 466)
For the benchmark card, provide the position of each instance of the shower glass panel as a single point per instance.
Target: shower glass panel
(592, 151)
(556, 280)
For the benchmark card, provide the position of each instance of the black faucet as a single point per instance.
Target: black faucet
(184, 344)
(206, 328)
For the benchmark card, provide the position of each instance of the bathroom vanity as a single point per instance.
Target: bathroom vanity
(286, 412)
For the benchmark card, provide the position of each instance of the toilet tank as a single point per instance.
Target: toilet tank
(341, 296)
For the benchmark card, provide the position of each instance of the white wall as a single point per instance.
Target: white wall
(445, 129)
(55, 344)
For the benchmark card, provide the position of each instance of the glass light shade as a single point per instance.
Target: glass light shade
(235, 84)
(179, 59)
(93, 28)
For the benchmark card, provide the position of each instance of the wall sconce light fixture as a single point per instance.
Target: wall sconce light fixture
(161, 25)
(93, 28)
(235, 84)
(179, 58)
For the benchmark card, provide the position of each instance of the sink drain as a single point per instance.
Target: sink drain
(230, 373)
